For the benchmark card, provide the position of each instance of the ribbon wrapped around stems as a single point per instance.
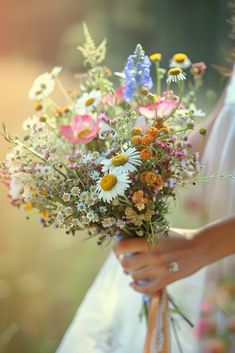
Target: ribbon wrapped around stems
(158, 329)
(158, 332)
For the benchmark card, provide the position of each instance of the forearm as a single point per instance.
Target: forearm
(217, 240)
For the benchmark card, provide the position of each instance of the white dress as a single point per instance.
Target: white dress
(108, 319)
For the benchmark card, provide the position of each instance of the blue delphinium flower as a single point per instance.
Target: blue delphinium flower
(137, 73)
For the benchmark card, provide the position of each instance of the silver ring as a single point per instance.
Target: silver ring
(173, 267)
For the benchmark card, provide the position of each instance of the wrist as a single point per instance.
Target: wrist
(204, 246)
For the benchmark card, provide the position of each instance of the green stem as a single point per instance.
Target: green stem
(40, 157)
(63, 91)
(180, 100)
(176, 335)
(174, 132)
(180, 312)
(158, 78)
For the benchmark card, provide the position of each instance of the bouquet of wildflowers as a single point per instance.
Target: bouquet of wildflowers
(109, 160)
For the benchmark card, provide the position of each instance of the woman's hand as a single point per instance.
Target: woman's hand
(152, 264)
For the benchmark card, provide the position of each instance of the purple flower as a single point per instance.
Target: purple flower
(137, 73)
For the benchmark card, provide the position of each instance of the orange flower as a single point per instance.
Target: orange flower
(29, 206)
(164, 130)
(136, 131)
(138, 197)
(154, 180)
(147, 140)
(162, 126)
(43, 118)
(38, 107)
(152, 131)
(150, 178)
(146, 154)
(142, 177)
(159, 182)
(137, 140)
(44, 213)
(144, 91)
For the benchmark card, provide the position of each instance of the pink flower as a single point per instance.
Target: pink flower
(198, 68)
(163, 107)
(116, 98)
(82, 130)
(206, 306)
(148, 111)
(166, 105)
(3, 171)
(203, 327)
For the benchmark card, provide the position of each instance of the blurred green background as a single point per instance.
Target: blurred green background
(44, 274)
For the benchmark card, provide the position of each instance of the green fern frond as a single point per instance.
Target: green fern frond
(93, 55)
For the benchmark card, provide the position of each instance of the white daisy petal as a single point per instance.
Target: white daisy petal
(112, 185)
(42, 87)
(175, 74)
(125, 162)
(88, 101)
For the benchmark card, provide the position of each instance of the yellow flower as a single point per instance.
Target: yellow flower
(136, 130)
(137, 140)
(44, 213)
(144, 91)
(181, 60)
(29, 206)
(155, 57)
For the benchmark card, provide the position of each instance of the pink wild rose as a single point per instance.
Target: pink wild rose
(116, 98)
(82, 130)
(163, 107)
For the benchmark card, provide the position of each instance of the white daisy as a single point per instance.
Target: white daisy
(180, 60)
(175, 74)
(42, 87)
(198, 113)
(124, 162)
(30, 122)
(56, 71)
(88, 101)
(111, 185)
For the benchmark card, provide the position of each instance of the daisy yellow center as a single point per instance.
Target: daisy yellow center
(83, 133)
(175, 71)
(119, 160)
(89, 101)
(180, 57)
(108, 182)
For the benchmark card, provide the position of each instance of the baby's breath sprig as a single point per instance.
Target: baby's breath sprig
(16, 141)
